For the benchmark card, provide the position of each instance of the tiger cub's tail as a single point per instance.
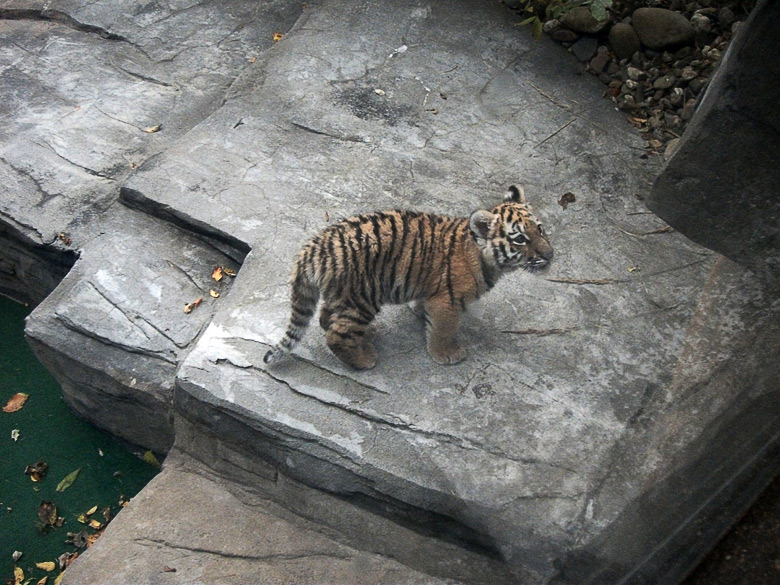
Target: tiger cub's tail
(304, 297)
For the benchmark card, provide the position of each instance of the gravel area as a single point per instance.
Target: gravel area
(655, 57)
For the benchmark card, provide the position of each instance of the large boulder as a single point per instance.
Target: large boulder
(659, 28)
(721, 187)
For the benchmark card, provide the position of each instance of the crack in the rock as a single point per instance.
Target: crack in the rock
(402, 425)
(342, 137)
(46, 14)
(269, 558)
(87, 170)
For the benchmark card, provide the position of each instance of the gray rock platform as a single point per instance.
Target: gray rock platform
(593, 435)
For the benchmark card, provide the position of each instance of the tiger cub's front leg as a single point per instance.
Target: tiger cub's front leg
(441, 327)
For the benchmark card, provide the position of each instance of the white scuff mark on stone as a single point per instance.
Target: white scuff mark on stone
(399, 51)
(589, 510)
(353, 444)
(421, 12)
(294, 423)
(215, 345)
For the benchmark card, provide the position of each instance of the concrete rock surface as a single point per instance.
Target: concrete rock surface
(589, 437)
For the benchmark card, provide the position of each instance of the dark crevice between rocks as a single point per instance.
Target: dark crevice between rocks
(45, 14)
(427, 523)
(228, 245)
(29, 271)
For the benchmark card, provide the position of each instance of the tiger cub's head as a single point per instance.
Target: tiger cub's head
(510, 235)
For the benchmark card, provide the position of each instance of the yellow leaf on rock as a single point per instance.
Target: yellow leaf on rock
(15, 402)
(48, 566)
(153, 129)
(214, 294)
(278, 37)
(217, 274)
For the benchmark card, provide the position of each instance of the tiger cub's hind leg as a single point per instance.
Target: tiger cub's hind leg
(441, 327)
(350, 337)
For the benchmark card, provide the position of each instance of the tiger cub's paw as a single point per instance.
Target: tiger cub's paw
(447, 353)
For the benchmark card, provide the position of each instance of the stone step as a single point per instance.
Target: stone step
(114, 331)
(190, 526)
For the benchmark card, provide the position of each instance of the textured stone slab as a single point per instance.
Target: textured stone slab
(114, 330)
(189, 526)
(516, 447)
(80, 82)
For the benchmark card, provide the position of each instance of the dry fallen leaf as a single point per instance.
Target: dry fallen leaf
(18, 576)
(77, 539)
(91, 511)
(167, 569)
(190, 306)
(217, 274)
(153, 129)
(47, 513)
(278, 37)
(43, 581)
(229, 271)
(566, 198)
(38, 471)
(16, 402)
(214, 294)
(94, 524)
(48, 566)
(93, 537)
(15, 434)
(252, 59)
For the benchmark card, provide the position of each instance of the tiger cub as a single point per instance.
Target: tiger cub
(441, 263)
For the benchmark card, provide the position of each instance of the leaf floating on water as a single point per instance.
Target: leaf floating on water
(43, 581)
(17, 555)
(15, 434)
(18, 576)
(47, 513)
(95, 525)
(68, 480)
(150, 459)
(77, 539)
(91, 511)
(48, 566)
(16, 402)
(38, 471)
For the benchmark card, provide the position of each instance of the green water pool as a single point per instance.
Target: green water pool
(48, 431)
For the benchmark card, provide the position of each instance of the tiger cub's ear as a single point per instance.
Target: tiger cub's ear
(479, 222)
(515, 194)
